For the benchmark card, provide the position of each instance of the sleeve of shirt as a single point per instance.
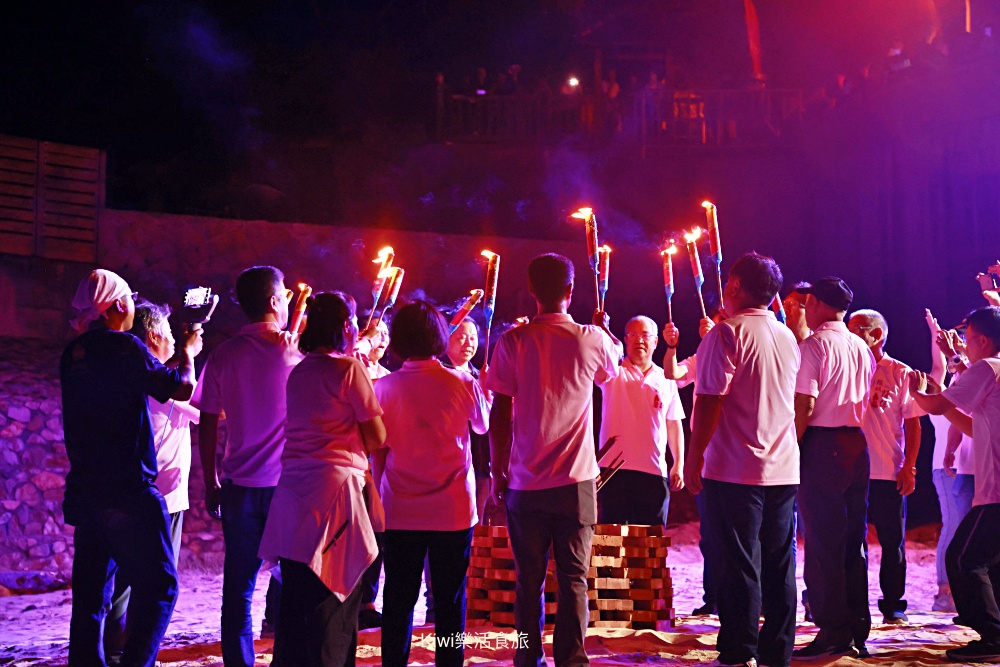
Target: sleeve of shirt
(611, 356)
(480, 416)
(690, 366)
(716, 365)
(207, 395)
(358, 391)
(969, 390)
(909, 407)
(153, 378)
(502, 376)
(675, 410)
(807, 379)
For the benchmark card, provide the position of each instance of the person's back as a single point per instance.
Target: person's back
(838, 357)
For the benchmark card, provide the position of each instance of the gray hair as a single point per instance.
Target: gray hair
(874, 318)
(149, 317)
(642, 318)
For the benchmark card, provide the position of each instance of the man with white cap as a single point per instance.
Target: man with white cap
(121, 521)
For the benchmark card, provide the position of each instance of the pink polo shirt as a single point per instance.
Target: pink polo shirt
(836, 370)
(751, 359)
(245, 377)
(636, 408)
(428, 482)
(889, 404)
(549, 367)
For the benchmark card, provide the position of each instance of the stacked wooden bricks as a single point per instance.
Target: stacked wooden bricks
(628, 581)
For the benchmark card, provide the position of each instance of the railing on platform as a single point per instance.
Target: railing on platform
(50, 198)
(649, 117)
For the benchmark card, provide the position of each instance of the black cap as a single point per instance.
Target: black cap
(832, 291)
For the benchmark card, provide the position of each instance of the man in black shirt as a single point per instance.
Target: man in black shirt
(120, 517)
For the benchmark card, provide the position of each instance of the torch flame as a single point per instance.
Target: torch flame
(605, 248)
(487, 254)
(669, 250)
(302, 286)
(693, 235)
(583, 213)
(383, 254)
(707, 204)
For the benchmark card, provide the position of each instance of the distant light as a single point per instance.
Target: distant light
(574, 82)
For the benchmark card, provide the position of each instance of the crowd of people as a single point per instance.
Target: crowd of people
(334, 467)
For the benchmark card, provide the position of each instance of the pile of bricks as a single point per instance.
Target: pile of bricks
(628, 583)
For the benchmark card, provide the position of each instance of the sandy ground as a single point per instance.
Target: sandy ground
(34, 628)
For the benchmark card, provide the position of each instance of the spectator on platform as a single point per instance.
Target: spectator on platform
(427, 483)
(120, 517)
(542, 455)
(245, 379)
(171, 424)
(319, 525)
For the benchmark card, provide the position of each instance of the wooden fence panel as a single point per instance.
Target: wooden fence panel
(50, 198)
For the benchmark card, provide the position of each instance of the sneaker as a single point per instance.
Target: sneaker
(369, 618)
(896, 618)
(752, 662)
(863, 651)
(806, 609)
(975, 651)
(706, 609)
(958, 620)
(816, 651)
(266, 630)
(944, 602)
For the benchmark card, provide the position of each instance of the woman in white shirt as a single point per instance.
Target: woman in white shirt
(427, 483)
(318, 525)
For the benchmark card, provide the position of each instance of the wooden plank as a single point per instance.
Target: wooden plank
(64, 184)
(651, 605)
(66, 197)
(74, 251)
(69, 233)
(611, 584)
(605, 561)
(24, 203)
(613, 593)
(17, 244)
(645, 552)
(21, 166)
(20, 142)
(614, 605)
(17, 190)
(70, 209)
(650, 583)
(660, 626)
(605, 550)
(86, 175)
(17, 177)
(69, 149)
(17, 227)
(74, 221)
(607, 541)
(649, 542)
(503, 596)
(610, 624)
(18, 153)
(20, 214)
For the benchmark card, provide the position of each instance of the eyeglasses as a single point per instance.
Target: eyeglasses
(639, 336)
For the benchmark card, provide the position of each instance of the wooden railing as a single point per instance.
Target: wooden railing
(51, 196)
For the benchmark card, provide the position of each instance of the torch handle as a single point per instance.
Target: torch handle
(597, 292)
(370, 315)
(718, 277)
(701, 300)
(670, 311)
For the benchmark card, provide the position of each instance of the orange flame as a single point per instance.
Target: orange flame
(383, 254)
(583, 213)
(693, 235)
(487, 254)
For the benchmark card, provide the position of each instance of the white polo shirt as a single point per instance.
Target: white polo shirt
(636, 408)
(428, 482)
(171, 422)
(836, 370)
(549, 367)
(752, 360)
(690, 366)
(889, 403)
(977, 392)
(245, 377)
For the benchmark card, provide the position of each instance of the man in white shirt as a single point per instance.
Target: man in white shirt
(642, 408)
(543, 457)
(973, 557)
(892, 417)
(245, 378)
(172, 438)
(831, 395)
(745, 459)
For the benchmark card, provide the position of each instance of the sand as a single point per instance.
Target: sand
(34, 628)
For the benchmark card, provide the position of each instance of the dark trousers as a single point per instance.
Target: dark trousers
(973, 561)
(634, 497)
(753, 529)
(315, 629)
(115, 631)
(704, 544)
(244, 513)
(369, 581)
(562, 518)
(887, 512)
(132, 539)
(833, 499)
(448, 552)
